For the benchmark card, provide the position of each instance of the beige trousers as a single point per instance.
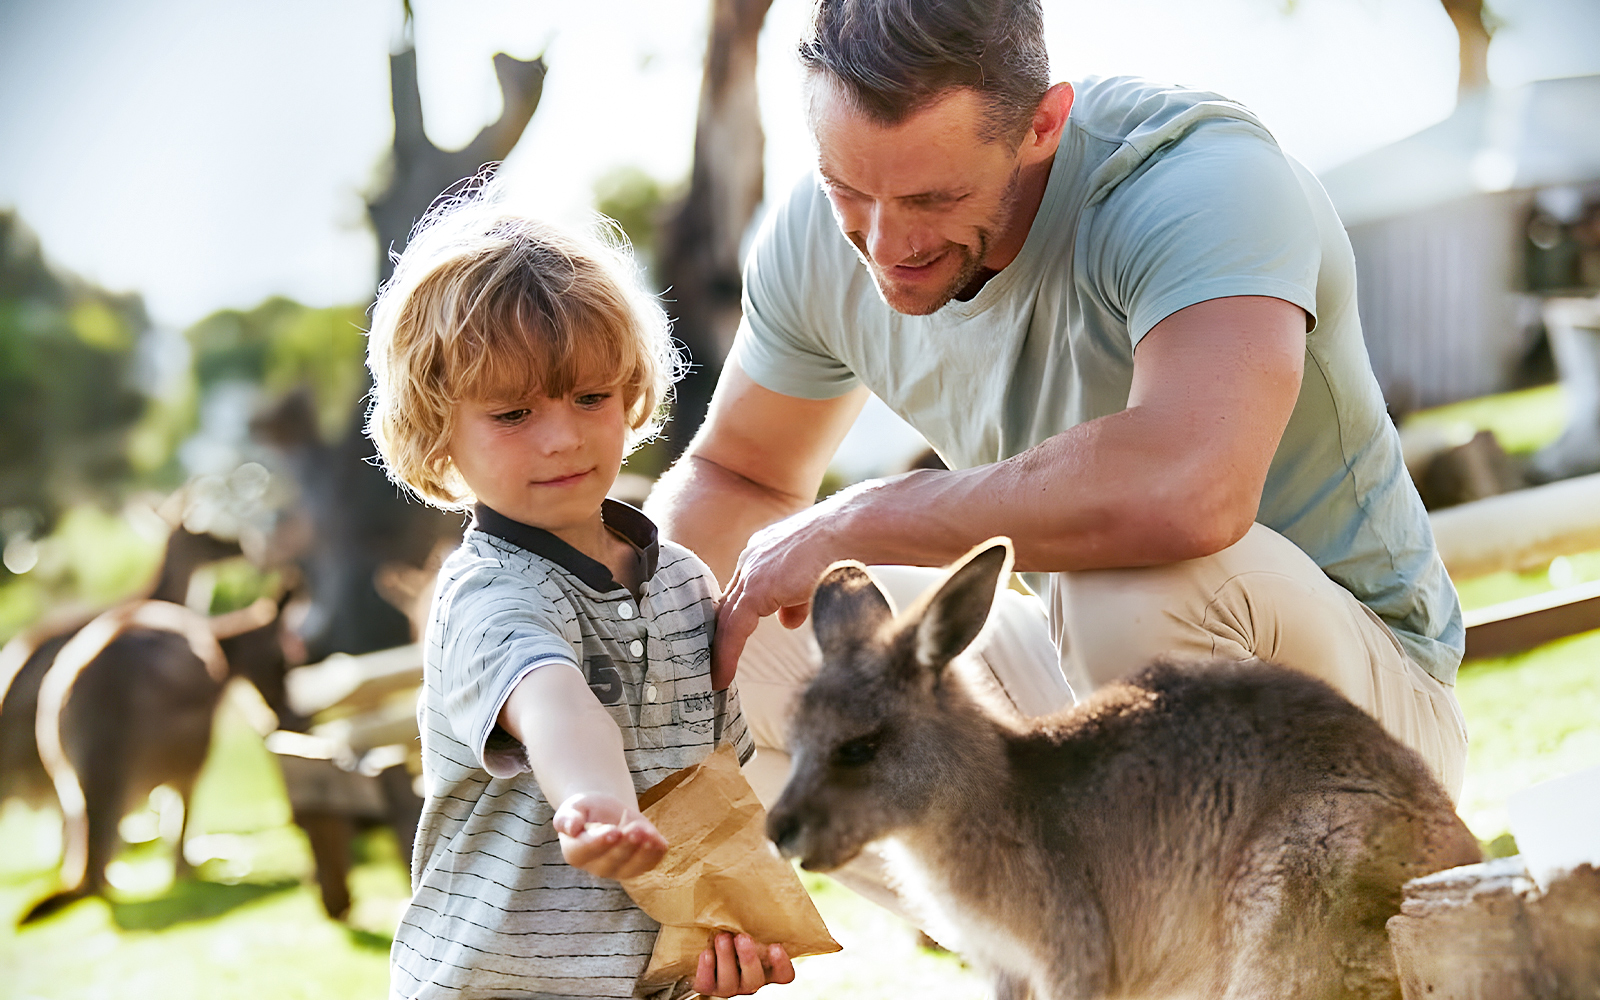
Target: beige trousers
(1260, 597)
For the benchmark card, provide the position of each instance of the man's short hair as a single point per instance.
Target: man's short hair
(894, 57)
(487, 304)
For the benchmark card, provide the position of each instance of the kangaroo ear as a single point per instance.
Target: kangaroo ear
(847, 609)
(955, 614)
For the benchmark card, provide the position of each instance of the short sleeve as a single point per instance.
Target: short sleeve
(1218, 213)
(494, 625)
(780, 339)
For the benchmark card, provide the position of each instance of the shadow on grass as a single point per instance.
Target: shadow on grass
(189, 901)
(369, 940)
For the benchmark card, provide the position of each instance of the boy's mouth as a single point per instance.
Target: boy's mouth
(566, 480)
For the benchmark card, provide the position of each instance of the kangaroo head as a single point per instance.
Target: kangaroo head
(883, 735)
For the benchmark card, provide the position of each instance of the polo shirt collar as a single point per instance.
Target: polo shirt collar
(626, 521)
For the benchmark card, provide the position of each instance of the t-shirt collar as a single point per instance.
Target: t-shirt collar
(626, 521)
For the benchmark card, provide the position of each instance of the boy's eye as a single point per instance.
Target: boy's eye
(509, 416)
(592, 398)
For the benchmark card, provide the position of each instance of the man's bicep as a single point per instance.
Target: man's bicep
(1222, 377)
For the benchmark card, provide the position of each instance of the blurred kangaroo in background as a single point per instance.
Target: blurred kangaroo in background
(25, 659)
(127, 705)
(1215, 830)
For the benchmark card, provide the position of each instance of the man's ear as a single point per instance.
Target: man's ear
(1049, 118)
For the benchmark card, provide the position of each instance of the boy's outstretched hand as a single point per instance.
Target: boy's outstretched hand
(735, 966)
(605, 837)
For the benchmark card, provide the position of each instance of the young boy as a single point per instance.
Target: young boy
(567, 659)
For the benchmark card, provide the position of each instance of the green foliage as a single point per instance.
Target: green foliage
(281, 345)
(635, 201)
(99, 556)
(236, 583)
(92, 558)
(67, 394)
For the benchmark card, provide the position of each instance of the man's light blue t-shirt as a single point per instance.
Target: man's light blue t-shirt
(1159, 198)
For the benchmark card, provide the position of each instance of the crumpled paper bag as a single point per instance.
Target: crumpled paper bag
(720, 872)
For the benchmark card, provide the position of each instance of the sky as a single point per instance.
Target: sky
(209, 153)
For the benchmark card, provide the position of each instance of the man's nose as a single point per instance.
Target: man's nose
(889, 236)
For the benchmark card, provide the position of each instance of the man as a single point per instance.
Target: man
(1127, 322)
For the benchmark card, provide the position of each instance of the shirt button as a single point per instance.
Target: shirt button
(626, 611)
(636, 648)
(650, 693)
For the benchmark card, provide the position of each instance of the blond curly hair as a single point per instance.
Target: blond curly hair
(487, 304)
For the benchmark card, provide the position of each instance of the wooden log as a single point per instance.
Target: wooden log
(1521, 530)
(1520, 625)
(345, 684)
(391, 724)
(1486, 932)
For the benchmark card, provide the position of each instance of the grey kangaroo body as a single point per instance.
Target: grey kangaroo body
(126, 705)
(26, 659)
(1217, 830)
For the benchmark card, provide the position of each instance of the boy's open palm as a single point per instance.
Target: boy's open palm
(606, 837)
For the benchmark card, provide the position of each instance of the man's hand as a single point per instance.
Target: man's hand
(604, 837)
(735, 966)
(776, 573)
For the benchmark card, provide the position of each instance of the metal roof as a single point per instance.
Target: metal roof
(1542, 134)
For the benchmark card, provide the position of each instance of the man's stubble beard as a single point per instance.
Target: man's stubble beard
(972, 259)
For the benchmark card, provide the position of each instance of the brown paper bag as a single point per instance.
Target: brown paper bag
(720, 872)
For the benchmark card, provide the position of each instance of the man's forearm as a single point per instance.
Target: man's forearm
(713, 512)
(1064, 506)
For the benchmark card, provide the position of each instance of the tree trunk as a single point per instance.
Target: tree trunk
(699, 252)
(423, 171)
(1467, 16)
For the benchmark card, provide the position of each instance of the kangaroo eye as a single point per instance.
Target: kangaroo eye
(856, 752)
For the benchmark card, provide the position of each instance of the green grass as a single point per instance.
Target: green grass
(1530, 718)
(1522, 421)
(252, 926)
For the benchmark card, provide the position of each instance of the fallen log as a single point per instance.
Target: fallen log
(1528, 622)
(1521, 530)
(1487, 932)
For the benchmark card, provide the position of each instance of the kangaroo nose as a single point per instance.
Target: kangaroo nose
(783, 829)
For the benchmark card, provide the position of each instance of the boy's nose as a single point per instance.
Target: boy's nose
(559, 431)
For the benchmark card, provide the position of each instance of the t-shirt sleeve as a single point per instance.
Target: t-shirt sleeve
(779, 342)
(495, 627)
(1217, 214)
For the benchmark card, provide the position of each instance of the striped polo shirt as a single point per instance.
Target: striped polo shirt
(495, 911)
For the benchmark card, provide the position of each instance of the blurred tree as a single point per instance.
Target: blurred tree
(353, 521)
(634, 200)
(698, 253)
(281, 346)
(1473, 30)
(418, 171)
(68, 398)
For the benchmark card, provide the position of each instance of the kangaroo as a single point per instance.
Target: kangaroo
(126, 705)
(27, 657)
(1218, 830)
